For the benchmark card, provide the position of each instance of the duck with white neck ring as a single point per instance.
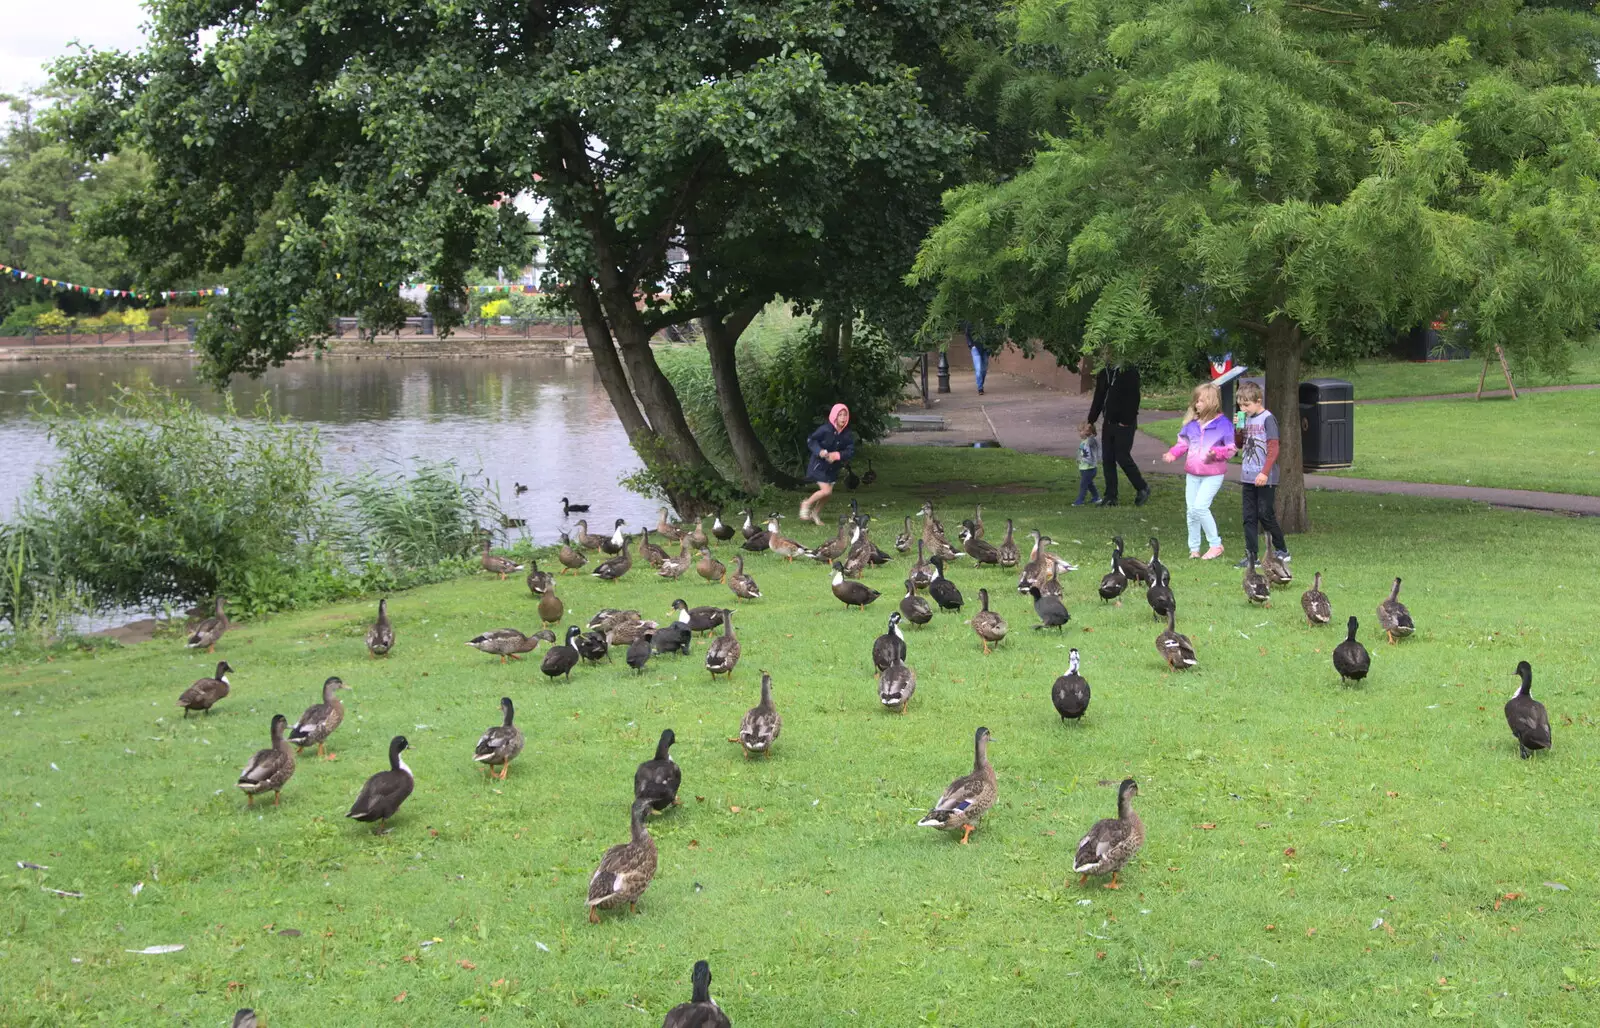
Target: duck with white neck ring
(384, 792)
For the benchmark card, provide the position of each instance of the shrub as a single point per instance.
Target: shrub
(405, 525)
(137, 319)
(35, 599)
(23, 318)
(52, 322)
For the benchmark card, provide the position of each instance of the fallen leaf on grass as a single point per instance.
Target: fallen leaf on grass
(466, 965)
(734, 810)
(1310, 932)
(1391, 795)
(1289, 852)
(1271, 928)
(694, 844)
(400, 998)
(1207, 826)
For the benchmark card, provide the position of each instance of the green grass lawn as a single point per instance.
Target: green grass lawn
(1315, 854)
(1543, 441)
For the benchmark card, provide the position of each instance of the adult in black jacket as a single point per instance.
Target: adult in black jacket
(830, 445)
(1116, 392)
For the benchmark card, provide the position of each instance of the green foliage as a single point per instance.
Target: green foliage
(666, 479)
(415, 519)
(51, 322)
(37, 601)
(24, 316)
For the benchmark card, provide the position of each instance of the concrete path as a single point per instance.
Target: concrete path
(1023, 416)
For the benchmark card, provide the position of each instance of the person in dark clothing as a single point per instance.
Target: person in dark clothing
(830, 445)
(1116, 392)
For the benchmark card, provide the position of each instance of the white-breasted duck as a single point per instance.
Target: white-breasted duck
(380, 798)
(1051, 611)
(613, 543)
(944, 591)
(205, 692)
(1159, 595)
(1070, 693)
(720, 531)
(1526, 716)
(560, 660)
(979, 550)
(889, 646)
(851, 593)
(1114, 582)
(701, 1011)
(616, 567)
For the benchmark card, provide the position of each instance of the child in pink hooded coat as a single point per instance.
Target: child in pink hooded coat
(831, 444)
(1206, 443)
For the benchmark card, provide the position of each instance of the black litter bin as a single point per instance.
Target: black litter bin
(1327, 424)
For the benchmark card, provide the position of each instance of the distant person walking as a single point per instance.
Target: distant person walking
(980, 360)
(830, 444)
(1206, 443)
(1088, 464)
(1116, 392)
(1256, 433)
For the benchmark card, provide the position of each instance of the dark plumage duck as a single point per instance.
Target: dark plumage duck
(628, 631)
(989, 626)
(1350, 658)
(539, 582)
(1051, 611)
(270, 769)
(244, 1018)
(1159, 595)
(592, 646)
(320, 720)
(209, 631)
(656, 781)
(890, 646)
(551, 607)
(761, 540)
(1526, 716)
(1315, 603)
(1158, 570)
(980, 551)
(761, 724)
(1136, 569)
(639, 651)
(616, 567)
(698, 619)
(711, 569)
(560, 660)
(701, 1011)
(741, 584)
(1114, 582)
(914, 608)
(1008, 552)
(205, 692)
(1393, 617)
(381, 796)
(501, 744)
(896, 685)
(722, 656)
(749, 529)
(976, 521)
(496, 564)
(944, 591)
(851, 594)
(1256, 588)
(869, 476)
(625, 870)
(969, 797)
(673, 638)
(1175, 647)
(569, 558)
(504, 643)
(1111, 843)
(649, 552)
(722, 532)
(380, 637)
(614, 542)
(568, 508)
(1070, 693)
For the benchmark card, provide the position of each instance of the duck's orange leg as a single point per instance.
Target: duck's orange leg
(966, 833)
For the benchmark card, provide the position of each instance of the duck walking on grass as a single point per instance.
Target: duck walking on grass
(209, 632)
(617, 566)
(890, 646)
(1175, 647)
(851, 594)
(723, 654)
(720, 531)
(1159, 595)
(496, 564)
(761, 724)
(1529, 721)
(979, 550)
(1114, 583)
(1008, 552)
(740, 584)
(504, 643)
(701, 1011)
(989, 626)
(1393, 617)
(570, 559)
(944, 591)
(1315, 603)
(1070, 693)
(270, 769)
(205, 692)
(560, 660)
(499, 746)
(320, 720)
(673, 568)
(896, 685)
(380, 637)
(711, 569)
(625, 870)
(1350, 658)
(383, 793)
(1051, 611)
(1256, 588)
(613, 543)
(1111, 843)
(914, 608)
(656, 781)
(969, 797)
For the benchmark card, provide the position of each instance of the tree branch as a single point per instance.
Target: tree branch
(1330, 10)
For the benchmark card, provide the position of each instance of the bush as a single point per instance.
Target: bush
(51, 322)
(137, 319)
(23, 318)
(404, 526)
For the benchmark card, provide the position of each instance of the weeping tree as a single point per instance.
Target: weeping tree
(1292, 174)
(690, 159)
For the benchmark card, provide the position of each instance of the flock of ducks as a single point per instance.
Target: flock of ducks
(626, 870)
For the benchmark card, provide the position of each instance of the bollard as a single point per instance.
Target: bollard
(944, 371)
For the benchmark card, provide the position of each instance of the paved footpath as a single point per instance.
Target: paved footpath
(1021, 415)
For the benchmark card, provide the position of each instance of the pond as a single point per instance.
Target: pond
(541, 421)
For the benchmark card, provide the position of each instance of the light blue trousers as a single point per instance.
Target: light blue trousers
(1198, 492)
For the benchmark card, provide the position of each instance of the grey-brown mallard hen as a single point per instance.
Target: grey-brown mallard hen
(205, 692)
(1007, 550)
(209, 631)
(656, 781)
(320, 720)
(1175, 647)
(1526, 716)
(923, 570)
(569, 558)
(551, 607)
(1112, 842)
(989, 626)
(696, 535)
(722, 656)
(244, 1018)
(857, 555)
(380, 637)
(742, 585)
(836, 547)
(626, 869)
(914, 608)
(673, 568)
(896, 685)
(1315, 603)
(607, 618)
(499, 746)
(701, 1011)
(649, 552)
(587, 539)
(624, 633)
(666, 529)
(1070, 693)
(933, 535)
(711, 569)
(976, 521)
(504, 643)
(969, 797)
(761, 724)
(1274, 570)
(902, 542)
(539, 582)
(782, 545)
(1350, 658)
(381, 796)
(1393, 617)
(1256, 588)
(496, 564)
(270, 768)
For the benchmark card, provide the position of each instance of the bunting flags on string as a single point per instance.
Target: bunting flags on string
(510, 288)
(127, 294)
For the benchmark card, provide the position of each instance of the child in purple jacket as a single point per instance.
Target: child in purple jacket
(1206, 442)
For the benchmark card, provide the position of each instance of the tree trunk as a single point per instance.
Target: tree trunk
(830, 341)
(755, 465)
(1284, 348)
(606, 363)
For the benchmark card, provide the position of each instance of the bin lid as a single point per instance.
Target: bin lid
(1325, 389)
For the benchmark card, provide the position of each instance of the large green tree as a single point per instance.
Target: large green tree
(1291, 173)
(695, 159)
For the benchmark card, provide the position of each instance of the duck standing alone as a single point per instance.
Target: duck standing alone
(499, 746)
(380, 637)
(381, 796)
(969, 797)
(270, 769)
(626, 869)
(1526, 716)
(209, 632)
(1393, 617)
(1112, 842)
(761, 724)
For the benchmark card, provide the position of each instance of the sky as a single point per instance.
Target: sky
(33, 33)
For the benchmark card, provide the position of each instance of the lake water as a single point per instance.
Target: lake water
(545, 422)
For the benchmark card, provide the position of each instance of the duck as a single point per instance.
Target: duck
(1256, 589)
(205, 692)
(551, 607)
(836, 547)
(592, 646)
(539, 582)
(977, 549)
(741, 584)
(710, 568)
(519, 488)
(989, 626)
(722, 656)
(500, 744)
(1114, 582)
(1159, 595)
(1111, 842)
(1007, 551)
(1315, 603)
(587, 540)
(656, 781)
(649, 552)
(749, 529)
(762, 540)
(1133, 567)
(1350, 658)
(761, 724)
(698, 619)
(569, 508)
(666, 529)
(720, 531)
(933, 535)
(1526, 716)
(914, 608)
(858, 556)
(626, 869)
(616, 567)
(1393, 617)
(889, 646)
(1157, 569)
(1070, 693)
(270, 769)
(1051, 611)
(209, 631)
(976, 521)
(673, 568)
(922, 571)
(639, 651)
(613, 543)
(496, 564)
(701, 1011)
(607, 618)
(320, 720)
(626, 633)
(969, 797)
(380, 637)
(1175, 647)
(504, 643)
(896, 685)
(1274, 570)
(944, 591)
(696, 535)
(1050, 583)
(869, 476)
(850, 593)
(783, 546)
(570, 559)
(380, 798)
(851, 479)
(673, 637)
(902, 542)
(244, 1017)
(560, 660)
